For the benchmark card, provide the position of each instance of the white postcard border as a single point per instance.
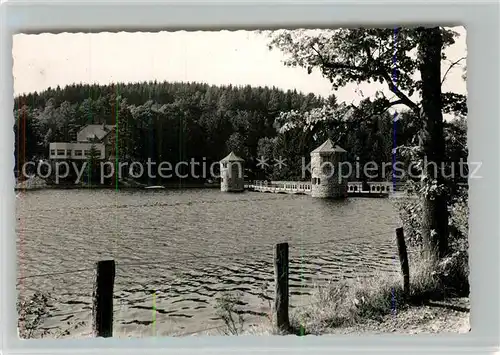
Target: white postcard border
(481, 21)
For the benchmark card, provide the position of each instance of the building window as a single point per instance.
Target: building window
(61, 151)
(319, 181)
(52, 152)
(78, 153)
(224, 165)
(87, 153)
(68, 151)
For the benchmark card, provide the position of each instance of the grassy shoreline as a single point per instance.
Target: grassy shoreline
(374, 304)
(353, 302)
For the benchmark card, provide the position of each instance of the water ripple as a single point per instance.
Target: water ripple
(196, 244)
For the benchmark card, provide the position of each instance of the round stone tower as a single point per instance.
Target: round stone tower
(326, 182)
(232, 174)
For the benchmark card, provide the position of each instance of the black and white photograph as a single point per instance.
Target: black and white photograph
(271, 182)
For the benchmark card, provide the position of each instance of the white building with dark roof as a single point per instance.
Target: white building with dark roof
(98, 136)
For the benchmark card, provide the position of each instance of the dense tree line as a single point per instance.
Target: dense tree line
(161, 121)
(181, 121)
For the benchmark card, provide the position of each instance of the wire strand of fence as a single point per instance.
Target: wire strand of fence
(88, 310)
(34, 289)
(149, 295)
(199, 257)
(203, 257)
(239, 253)
(200, 331)
(144, 299)
(55, 273)
(328, 241)
(151, 292)
(69, 287)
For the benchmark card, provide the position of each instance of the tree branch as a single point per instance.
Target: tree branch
(405, 99)
(383, 109)
(366, 69)
(393, 103)
(450, 67)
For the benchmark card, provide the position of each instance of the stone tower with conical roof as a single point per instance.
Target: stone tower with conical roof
(232, 174)
(326, 180)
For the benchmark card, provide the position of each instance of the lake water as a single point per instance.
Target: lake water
(189, 246)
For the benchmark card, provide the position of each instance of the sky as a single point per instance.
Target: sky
(222, 57)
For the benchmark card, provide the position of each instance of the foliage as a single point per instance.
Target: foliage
(265, 297)
(161, 121)
(31, 312)
(366, 134)
(390, 57)
(347, 302)
(460, 216)
(235, 144)
(369, 55)
(183, 121)
(228, 311)
(410, 211)
(347, 56)
(453, 270)
(92, 170)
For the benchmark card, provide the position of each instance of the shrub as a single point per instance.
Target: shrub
(452, 271)
(31, 312)
(410, 212)
(345, 303)
(228, 312)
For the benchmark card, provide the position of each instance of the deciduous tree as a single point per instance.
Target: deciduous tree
(391, 57)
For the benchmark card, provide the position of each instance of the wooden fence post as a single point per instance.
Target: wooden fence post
(102, 308)
(281, 298)
(403, 259)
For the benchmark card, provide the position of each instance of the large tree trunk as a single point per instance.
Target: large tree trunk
(435, 211)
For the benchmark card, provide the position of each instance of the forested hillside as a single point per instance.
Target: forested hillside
(182, 121)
